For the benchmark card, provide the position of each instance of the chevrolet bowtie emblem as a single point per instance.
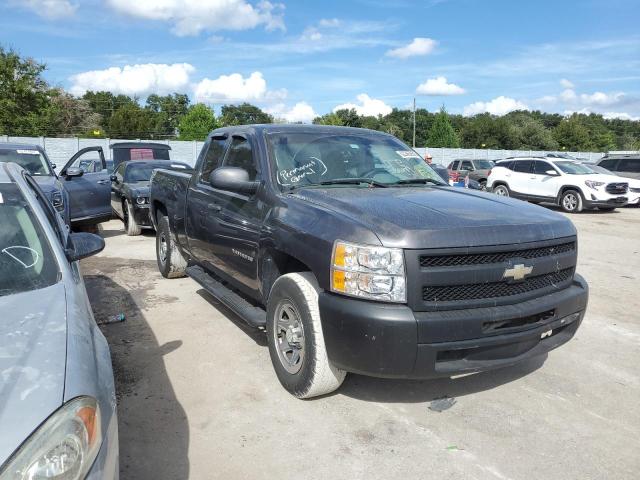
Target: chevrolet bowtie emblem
(518, 272)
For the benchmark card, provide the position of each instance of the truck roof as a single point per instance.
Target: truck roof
(159, 146)
(20, 146)
(295, 128)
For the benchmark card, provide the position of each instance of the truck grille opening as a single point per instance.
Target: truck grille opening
(617, 188)
(498, 325)
(452, 293)
(497, 257)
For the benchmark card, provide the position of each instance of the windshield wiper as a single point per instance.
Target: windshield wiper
(418, 181)
(355, 181)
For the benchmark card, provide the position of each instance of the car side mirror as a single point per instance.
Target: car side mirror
(83, 245)
(553, 173)
(73, 172)
(233, 179)
(113, 178)
(54, 166)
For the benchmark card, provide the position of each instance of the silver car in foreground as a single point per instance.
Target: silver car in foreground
(57, 397)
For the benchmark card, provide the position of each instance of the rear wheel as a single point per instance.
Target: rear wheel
(130, 225)
(502, 191)
(296, 341)
(571, 201)
(171, 263)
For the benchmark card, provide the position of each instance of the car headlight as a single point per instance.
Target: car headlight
(57, 200)
(63, 448)
(375, 273)
(142, 200)
(593, 184)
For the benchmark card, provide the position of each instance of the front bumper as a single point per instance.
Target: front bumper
(385, 340)
(603, 199)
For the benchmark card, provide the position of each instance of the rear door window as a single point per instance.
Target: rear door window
(522, 166)
(454, 165)
(466, 165)
(629, 165)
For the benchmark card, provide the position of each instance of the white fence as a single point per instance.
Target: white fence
(61, 149)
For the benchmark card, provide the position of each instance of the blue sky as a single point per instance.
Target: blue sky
(298, 59)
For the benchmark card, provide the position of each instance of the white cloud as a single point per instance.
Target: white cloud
(300, 112)
(368, 106)
(498, 106)
(566, 83)
(329, 23)
(190, 17)
(568, 95)
(311, 34)
(439, 86)
(419, 47)
(620, 116)
(602, 99)
(52, 9)
(138, 80)
(233, 88)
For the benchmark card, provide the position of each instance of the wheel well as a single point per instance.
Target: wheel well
(569, 187)
(500, 182)
(159, 208)
(275, 264)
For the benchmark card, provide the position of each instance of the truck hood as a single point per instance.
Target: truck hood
(33, 346)
(441, 217)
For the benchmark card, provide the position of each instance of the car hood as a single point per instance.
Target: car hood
(140, 188)
(601, 177)
(47, 183)
(441, 217)
(33, 346)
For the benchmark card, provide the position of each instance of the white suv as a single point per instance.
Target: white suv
(567, 183)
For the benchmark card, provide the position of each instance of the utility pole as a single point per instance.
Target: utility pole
(414, 122)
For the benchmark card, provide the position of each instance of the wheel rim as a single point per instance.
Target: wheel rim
(288, 335)
(570, 202)
(483, 186)
(501, 191)
(162, 248)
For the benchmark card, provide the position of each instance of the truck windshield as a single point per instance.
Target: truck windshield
(26, 260)
(306, 159)
(31, 160)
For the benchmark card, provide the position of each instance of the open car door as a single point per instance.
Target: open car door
(88, 184)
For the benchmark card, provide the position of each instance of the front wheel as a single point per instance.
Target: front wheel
(501, 190)
(296, 342)
(130, 225)
(571, 201)
(171, 263)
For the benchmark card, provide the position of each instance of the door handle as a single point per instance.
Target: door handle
(103, 182)
(214, 207)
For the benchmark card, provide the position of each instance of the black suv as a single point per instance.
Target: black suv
(623, 164)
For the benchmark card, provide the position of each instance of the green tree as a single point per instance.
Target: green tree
(442, 133)
(244, 114)
(197, 123)
(329, 119)
(572, 135)
(66, 115)
(168, 110)
(132, 121)
(529, 133)
(24, 94)
(106, 103)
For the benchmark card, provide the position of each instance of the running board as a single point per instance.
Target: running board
(254, 316)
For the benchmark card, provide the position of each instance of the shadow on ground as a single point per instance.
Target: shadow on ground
(153, 427)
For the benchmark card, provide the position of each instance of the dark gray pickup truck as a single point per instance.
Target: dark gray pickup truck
(356, 257)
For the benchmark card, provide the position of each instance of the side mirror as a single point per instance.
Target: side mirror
(233, 179)
(113, 178)
(73, 172)
(552, 173)
(54, 166)
(83, 245)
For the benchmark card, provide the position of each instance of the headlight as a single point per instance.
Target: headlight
(376, 273)
(141, 200)
(593, 184)
(57, 200)
(63, 448)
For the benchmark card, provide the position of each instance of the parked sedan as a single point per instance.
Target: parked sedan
(130, 191)
(58, 408)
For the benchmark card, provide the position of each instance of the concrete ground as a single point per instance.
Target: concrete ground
(198, 397)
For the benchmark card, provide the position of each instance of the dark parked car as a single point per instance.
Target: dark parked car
(355, 256)
(82, 197)
(130, 191)
(623, 164)
(477, 170)
(57, 395)
(126, 151)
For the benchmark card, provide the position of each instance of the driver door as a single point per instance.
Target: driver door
(90, 193)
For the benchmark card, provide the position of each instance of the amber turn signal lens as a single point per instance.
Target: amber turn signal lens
(337, 281)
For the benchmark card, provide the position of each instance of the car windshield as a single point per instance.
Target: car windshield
(483, 164)
(306, 159)
(31, 160)
(26, 260)
(139, 173)
(573, 168)
(599, 169)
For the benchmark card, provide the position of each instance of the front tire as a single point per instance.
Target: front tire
(171, 263)
(296, 341)
(571, 201)
(130, 225)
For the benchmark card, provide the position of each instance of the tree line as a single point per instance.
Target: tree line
(29, 106)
